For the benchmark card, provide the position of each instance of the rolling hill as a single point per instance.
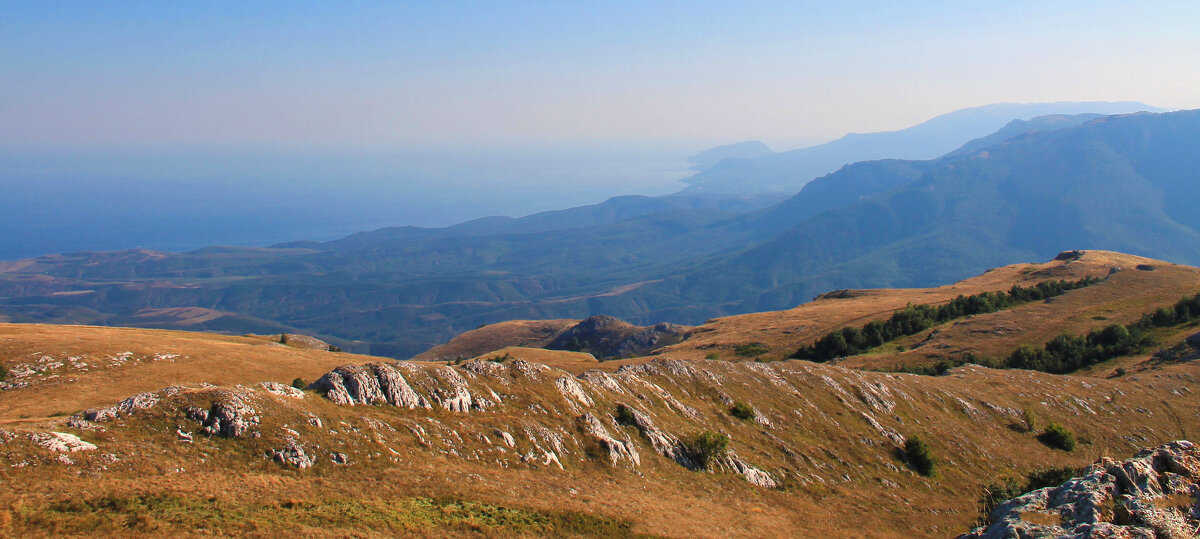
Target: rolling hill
(1111, 183)
(212, 440)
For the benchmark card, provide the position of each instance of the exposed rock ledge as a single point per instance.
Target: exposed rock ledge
(1154, 495)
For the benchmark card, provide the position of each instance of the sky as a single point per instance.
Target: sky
(383, 76)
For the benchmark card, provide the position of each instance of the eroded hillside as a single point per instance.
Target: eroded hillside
(511, 446)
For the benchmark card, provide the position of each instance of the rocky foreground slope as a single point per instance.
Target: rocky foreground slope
(1154, 495)
(820, 452)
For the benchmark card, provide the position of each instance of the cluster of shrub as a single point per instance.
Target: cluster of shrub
(919, 457)
(751, 350)
(914, 319)
(941, 367)
(1067, 353)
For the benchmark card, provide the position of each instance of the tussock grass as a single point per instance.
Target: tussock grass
(164, 513)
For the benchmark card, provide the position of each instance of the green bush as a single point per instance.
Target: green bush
(919, 458)
(914, 319)
(299, 383)
(501, 359)
(712, 356)
(709, 446)
(1050, 477)
(742, 411)
(751, 350)
(1058, 437)
(3, 373)
(996, 493)
(624, 415)
(1029, 419)
(1067, 353)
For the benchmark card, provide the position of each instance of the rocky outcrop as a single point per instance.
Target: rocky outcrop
(230, 417)
(60, 442)
(380, 383)
(616, 450)
(506, 438)
(573, 391)
(1154, 495)
(663, 443)
(752, 475)
(141, 401)
(293, 454)
(369, 384)
(607, 337)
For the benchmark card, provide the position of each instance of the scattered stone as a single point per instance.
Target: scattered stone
(80, 423)
(895, 437)
(293, 455)
(141, 401)
(282, 390)
(508, 438)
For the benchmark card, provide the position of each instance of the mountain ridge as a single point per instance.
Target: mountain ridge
(790, 170)
(870, 224)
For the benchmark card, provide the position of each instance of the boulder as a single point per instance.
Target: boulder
(60, 442)
(1155, 494)
(231, 417)
(616, 450)
(293, 454)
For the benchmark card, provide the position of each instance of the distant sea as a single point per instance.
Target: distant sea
(54, 201)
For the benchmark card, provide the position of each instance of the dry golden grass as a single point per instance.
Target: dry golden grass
(842, 478)
(202, 358)
(1122, 298)
(572, 362)
(863, 491)
(528, 333)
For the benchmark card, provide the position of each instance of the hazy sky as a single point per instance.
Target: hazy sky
(393, 74)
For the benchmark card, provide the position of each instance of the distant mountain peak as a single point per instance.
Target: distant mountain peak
(789, 171)
(739, 150)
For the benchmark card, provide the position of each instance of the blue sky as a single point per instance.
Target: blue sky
(362, 75)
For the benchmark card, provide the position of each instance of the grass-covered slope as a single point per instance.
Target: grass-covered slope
(59, 370)
(513, 447)
(1131, 286)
